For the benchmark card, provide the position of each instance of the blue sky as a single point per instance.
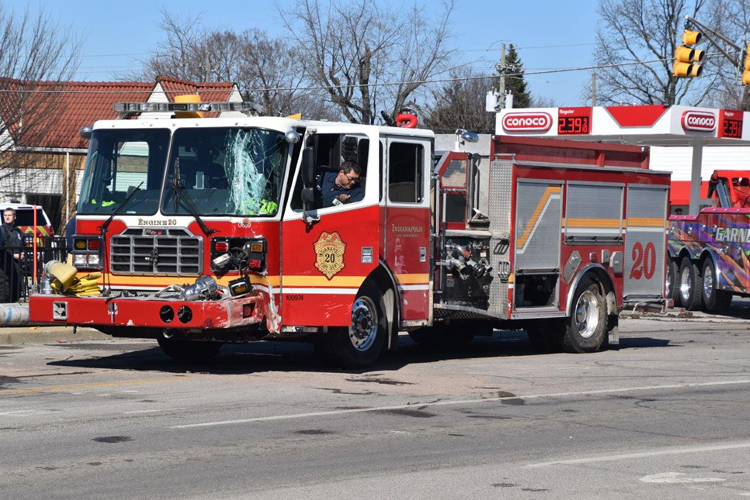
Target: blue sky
(549, 33)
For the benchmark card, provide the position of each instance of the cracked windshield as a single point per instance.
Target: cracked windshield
(225, 172)
(118, 162)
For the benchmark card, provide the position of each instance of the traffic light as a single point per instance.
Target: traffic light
(688, 59)
(746, 73)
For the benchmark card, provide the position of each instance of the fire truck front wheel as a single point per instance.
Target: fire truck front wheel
(360, 344)
(587, 325)
(189, 351)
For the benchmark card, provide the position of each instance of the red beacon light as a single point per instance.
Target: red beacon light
(407, 118)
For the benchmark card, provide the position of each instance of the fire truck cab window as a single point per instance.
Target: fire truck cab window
(331, 151)
(405, 172)
(118, 162)
(225, 171)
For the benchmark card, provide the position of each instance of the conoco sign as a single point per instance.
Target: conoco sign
(698, 121)
(527, 122)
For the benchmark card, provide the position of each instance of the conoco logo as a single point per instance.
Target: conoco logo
(698, 121)
(524, 122)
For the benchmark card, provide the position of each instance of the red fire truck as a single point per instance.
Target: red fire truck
(212, 230)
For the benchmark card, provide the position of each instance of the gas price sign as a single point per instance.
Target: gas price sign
(731, 124)
(574, 121)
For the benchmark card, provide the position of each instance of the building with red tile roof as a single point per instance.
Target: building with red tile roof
(44, 151)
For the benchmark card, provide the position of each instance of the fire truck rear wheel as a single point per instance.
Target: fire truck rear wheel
(587, 325)
(190, 351)
(690, 285)
(714, 299)
(360, 344)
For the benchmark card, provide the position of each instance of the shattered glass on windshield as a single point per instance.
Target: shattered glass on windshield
(226, 171)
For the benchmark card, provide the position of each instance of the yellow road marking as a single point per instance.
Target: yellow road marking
(100, 385)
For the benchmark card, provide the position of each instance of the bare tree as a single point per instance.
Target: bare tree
(273, 75)
(369, 56)
(461, 105)
(635, 46)
(731, 18)
(36, 55)
(268, 71)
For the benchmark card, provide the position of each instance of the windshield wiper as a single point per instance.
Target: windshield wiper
(107, 222)
(180, 193)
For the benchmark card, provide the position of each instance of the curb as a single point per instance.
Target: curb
(48, 334)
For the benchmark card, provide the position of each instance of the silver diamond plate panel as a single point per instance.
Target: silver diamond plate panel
(500, 209)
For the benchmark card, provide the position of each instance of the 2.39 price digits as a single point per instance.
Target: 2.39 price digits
(573, 125)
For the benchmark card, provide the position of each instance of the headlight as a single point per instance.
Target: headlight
(93, 261)
(79, 260)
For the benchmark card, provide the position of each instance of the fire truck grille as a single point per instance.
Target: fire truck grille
(156, 251)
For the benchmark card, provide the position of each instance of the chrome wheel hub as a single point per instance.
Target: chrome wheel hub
(686, 285)
(708, 282)
(364, 327)
(587, 314)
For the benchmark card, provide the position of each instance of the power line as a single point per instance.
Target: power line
(529, 48)
(353, 85)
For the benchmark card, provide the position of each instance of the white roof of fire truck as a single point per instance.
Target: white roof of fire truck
(231, 115)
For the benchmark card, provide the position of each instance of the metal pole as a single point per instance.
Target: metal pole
(502, 74)
(33, 245)
(695, 177)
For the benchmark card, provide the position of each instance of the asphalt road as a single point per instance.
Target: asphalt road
(665, 416)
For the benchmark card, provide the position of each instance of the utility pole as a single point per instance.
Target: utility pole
(502, 70)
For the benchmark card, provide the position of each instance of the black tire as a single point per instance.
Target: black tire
(672, 290)
(714, 299)
(4, 287)
(690, 283)
(586, 328)
(189, 351)
(545, 335)
(359, 345)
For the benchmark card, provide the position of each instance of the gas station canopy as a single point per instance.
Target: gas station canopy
(653, 125)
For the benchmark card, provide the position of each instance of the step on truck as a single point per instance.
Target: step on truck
(216, 230)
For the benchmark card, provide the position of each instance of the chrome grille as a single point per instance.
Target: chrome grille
(156, 251)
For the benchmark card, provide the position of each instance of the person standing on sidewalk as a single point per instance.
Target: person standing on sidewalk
(12, 239)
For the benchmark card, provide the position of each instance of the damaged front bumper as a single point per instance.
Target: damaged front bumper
(255, 308)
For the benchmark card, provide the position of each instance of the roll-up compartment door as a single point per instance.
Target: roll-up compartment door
(645, 240)
(538, 219)
(593, 213)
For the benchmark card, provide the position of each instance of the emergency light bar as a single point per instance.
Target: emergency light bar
(166, 107)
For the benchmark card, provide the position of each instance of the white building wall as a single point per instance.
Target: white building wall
(679, 160)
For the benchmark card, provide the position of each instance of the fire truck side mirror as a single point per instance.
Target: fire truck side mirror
(308, 167)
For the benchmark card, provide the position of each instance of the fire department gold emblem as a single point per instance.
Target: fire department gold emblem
(329, 250)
